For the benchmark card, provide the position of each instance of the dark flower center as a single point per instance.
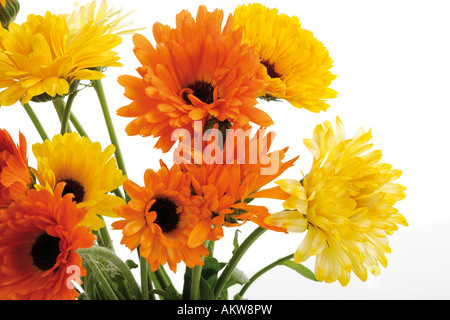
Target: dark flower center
(75, 188)
(45, 251)
(204, 91)
(270, 69)
(166, 214)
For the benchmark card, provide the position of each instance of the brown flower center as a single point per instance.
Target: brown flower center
(75, 188)
(270, 69)
(204, 91)
(167, 217)
(45, 251)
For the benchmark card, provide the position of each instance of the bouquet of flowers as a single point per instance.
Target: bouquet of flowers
(197, 91)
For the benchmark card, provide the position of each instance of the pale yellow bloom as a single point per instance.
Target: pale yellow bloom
(110, 18)
(345, 203)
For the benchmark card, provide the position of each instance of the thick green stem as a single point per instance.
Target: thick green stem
(144, 279)
(237, 256)
(59, 105)
(124, 269)
(106, 238)
(262, 271)
(163, 278)
(196, 277)
(78, 125)
(36, 122)
(195, 282)
(160, 292)
(67, 111)
(97, 84)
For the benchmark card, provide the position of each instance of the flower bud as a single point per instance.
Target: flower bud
(8, 11)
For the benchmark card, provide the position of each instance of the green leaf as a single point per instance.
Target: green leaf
(210, 270)
(206, 292)
(131, 264)
(304, 271)
(171, 293)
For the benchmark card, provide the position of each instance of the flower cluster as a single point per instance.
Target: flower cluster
(197, 92)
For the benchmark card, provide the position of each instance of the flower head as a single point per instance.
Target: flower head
(230, 178)
(39, 236)
(160, 217)
(14, 173)
(89, 173)
(41, 60)
(296, 64)
(345, 203)
(197, 71)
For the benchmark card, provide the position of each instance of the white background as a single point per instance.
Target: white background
(392, 62)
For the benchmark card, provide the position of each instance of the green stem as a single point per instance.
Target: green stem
(160, 292)
(59, 105)
(238, 254)
(78, 125)
(67, 111)
(97, 84)
(162, 277)
(210, 248)
(111, 257)
(106, 238)
(264, 270)
(197, 275)
(36, 122)
(144, 280)
(195, 282)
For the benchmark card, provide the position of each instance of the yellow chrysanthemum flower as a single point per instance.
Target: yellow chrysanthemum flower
(89, 173)
(345, 203)
(102, 16)
(41, 59)
(296, 64)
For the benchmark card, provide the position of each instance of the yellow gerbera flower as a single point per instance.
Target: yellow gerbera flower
(296, 64)
(89, 173)
(345, 203)
(41, 59)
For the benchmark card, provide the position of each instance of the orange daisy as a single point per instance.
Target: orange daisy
(159, 218)
(14, 173)
(198, 71)
(38, 242)
(230, 180)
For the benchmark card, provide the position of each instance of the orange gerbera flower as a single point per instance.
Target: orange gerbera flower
(160, 217)
(38, 242)
(14, 173)
(196, 72)
(229, 177)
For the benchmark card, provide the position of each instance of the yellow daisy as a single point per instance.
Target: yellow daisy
(346, 204)
(40, 59)
(296, 64)
(89, 173)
